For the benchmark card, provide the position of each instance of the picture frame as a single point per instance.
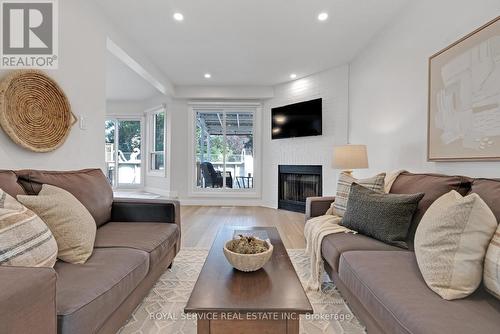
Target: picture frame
(464, 98)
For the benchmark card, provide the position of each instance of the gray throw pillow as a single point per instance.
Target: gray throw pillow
(385, 217)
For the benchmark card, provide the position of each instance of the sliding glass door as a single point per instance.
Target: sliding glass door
(123, 152)
(224, 150)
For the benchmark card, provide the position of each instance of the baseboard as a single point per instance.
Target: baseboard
(220, 202)
(269, 205)
(162, 192)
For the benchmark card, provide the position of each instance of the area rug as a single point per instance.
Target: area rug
(162, 310)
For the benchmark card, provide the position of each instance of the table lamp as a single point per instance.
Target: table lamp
(349, 157)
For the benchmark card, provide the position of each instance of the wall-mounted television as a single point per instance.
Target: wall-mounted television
(297, 120)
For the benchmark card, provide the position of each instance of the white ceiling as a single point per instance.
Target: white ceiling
(249, 42)
(122, 83)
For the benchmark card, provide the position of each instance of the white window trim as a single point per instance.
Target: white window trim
(194, 191)
(151, 138)
(129, 186)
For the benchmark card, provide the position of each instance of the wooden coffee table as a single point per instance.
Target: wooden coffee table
(269, 300)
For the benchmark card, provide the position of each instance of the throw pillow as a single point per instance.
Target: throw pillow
(491, 275)
(25, 240)
(385, 217)
(338, 207)
(70, 222)
(451, 242)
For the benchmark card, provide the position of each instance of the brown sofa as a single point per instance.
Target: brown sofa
(136, 241)
(383, 285)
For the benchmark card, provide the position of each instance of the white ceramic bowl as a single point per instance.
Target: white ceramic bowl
(248, 262)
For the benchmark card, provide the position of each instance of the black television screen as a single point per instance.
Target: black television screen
(297, 120)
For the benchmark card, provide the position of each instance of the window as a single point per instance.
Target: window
(123, 152)
(224, 148)
(157, 147)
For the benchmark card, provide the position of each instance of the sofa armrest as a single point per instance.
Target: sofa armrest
(127, 210)
(28, 300)
(317, 206)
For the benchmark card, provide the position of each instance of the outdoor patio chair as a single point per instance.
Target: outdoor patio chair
(213, 178)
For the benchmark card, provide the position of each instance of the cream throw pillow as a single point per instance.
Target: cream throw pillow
(71, 223)
(451, 242)
(492, 266)
(25, 240)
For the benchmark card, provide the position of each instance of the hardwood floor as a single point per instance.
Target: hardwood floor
(200, 224)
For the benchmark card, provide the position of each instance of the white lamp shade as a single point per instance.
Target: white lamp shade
(350, 157)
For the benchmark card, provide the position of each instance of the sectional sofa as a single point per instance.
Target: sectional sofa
(136, 241)
(382, 283)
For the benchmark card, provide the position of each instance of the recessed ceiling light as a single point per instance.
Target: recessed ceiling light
(207, 75)
(323, 16)
(178, 17)
(293, 76)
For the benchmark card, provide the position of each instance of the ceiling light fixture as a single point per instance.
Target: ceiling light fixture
(178, 17)
(207, 75)
(323, 16)
(293, 76)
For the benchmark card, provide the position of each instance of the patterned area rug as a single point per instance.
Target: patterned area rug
(162, 310)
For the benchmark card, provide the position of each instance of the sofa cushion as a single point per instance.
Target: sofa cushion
(87, 294)
(89, 186)
(345, 181)
(385, 217)
(157, 239)
(334, 245)
(71, 223)
(491, 276)
(393, 291)
(25, 240)
(433, 186)
(489, 191)
(8, 182)
(451, 243)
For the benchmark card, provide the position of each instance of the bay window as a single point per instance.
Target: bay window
(157, 125)
(123, 151)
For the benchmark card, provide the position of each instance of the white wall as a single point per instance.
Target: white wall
(125, 108)
(388, 84)
(178, 111)
(332, 86)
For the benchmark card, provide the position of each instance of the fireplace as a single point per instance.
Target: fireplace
(296, 183)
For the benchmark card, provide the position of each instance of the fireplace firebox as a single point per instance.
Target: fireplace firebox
(296, 183)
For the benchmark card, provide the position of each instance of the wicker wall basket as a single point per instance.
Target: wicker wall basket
(34, 111)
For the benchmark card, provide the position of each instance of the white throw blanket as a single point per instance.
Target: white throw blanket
(319, 227)
(315, 230)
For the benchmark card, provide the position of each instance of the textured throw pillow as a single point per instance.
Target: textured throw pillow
(451, 242)
(385, 217)
(25, 240)
(70, 222)
(491, 275)
(338, 207)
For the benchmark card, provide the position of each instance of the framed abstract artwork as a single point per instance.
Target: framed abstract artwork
(464, 98)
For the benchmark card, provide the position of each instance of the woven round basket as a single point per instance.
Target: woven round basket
(34, 111)
(248, 262)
